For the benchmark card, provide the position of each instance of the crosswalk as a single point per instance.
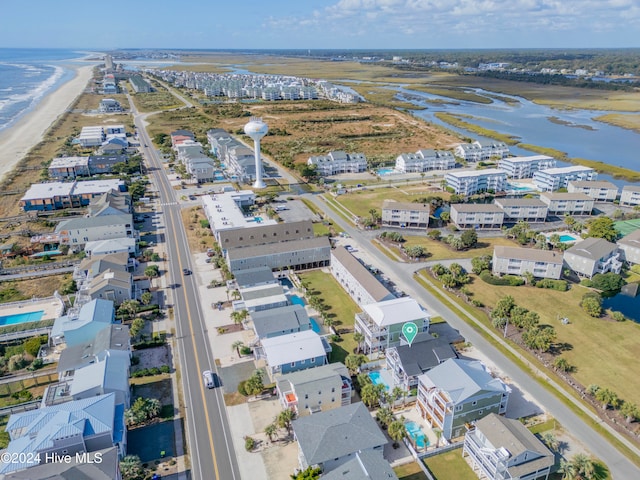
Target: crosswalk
(168, 204)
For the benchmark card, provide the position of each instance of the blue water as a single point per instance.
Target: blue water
(519, 188)
(21, 318)
(376, 379)
(314, 326)
(385, 171)
(415, 432)
(628, 305)
(27, 75)
(296, 300)
(567, 238)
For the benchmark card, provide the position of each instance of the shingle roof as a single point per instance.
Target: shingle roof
(425, 355)
(114, 338)
(363, 276)
(281, 247)
(516, 439)
(291, 317)
(92, 222)
(394, 311)
(335, 433)
(367, 465)
(392, 204)
(520, 202)
(531, 254)
(476, 207)
(592, 248)
(462, 379)
(293, 347)
(254, 276)
(632, 240)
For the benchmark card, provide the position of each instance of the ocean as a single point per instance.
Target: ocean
(27, 76)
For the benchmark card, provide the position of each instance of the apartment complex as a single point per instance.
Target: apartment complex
(338, 162)
(530, 210)
(518, 261)
(525, 167)
(425, 160)
(630, 195)
(477, 215)
(405, 214)
(599, 190)
(469, 182)
(552, 179)
(593, 255)
(560, 203)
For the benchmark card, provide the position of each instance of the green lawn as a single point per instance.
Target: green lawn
(604, 352)
(450, 465)
(410, 471)
(440, 251)
(361, 201)
(342, 309)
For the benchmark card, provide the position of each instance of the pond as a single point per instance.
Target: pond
(626, 302)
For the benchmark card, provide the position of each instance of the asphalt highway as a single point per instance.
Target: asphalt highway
(208, 435)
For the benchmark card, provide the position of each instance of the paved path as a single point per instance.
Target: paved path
(620, 467)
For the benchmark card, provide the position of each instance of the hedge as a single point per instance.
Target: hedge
(560, 285)
(506, 280)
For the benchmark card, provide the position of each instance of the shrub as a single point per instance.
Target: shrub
(618, 316)
(506, 280)
(165, 369)
(245, 350)
(477, 303)
(249, 443)
(592, 304)
(242, 388)
(154, 371)
(560, 285)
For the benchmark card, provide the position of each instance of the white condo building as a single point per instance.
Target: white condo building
(525, 167)
(476, 181)
(552, 179)
(339, 162)
(425, 160)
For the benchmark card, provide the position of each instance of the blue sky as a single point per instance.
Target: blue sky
(310, 24)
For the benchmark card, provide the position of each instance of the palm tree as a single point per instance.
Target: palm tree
(397, 432)
(607, 397)
(284, 419)
(153, 408)
(237, 345)
(397, 393)
(358, 337)
(235, 294)
(384, 416)
(630, 411)
(550, 440)
(239, 316)
(370, 395)
(271, 430)
(131, 466)
(438, 434)
(581, 467)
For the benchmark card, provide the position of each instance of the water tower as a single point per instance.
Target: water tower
(257, 129)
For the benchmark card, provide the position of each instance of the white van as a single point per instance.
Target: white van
(207, 377)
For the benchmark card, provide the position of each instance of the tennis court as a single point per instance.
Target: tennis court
(625, 227)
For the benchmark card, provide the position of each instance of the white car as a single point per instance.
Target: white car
(209, 379)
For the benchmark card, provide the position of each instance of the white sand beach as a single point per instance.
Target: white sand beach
(17, 140)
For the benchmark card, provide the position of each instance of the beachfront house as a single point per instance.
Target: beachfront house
(500, 448)
(518, 261)
(406, 363)
(381, 323)
(82, 326)
(525, 167)
(109, 105)
(261, 297)
(68, 428)
(551, 179)
(593, 255)
(630, 247)
(470, 182)
(457, 393)
(69, 167)
(361, 285)
(311, 391)
(405, 214)
(292, 352)
(477, 215)
(469, 152)
(280, 321)
(331, 438)
(532, 210)
(59, 195)
(364, 465)
(77, 232)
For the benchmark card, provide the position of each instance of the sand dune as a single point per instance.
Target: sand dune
(16, 141)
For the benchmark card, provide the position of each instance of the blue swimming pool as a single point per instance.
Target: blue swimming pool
(314, 326)
(296, 300)
(21, 318)
(414, 430)
(385, 171)
(377, 379)
(567, 238)
(519, 188)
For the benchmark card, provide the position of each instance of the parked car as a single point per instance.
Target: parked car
(186, 271)
(209, 379)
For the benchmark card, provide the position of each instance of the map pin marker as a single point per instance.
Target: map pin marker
(410, 330)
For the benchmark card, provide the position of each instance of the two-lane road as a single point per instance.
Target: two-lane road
(210, 444)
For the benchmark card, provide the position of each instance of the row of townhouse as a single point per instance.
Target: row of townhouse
(405, 214)
(425, 160)
(73, 167)
(586, 258)
(470, 182)
(525, 167)
(337, 162)
(237, 158)
(511, 210)
(82, 414)
(481, 150)
(189, 152)
(552, 179)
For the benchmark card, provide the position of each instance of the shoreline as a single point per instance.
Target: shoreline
(17, 140)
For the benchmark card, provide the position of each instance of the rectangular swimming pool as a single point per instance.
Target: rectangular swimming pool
(377, 379)
(418, 437)
(21, 318)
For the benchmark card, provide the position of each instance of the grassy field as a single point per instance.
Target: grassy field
(450, 465)
(452, 92)
(360, 202)
(342, 309)
(198, 237)
(92, 101)
(592, 340)
(383, 96)
(410, 471)
(441, 251)
(628, 121)
(158, 100)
